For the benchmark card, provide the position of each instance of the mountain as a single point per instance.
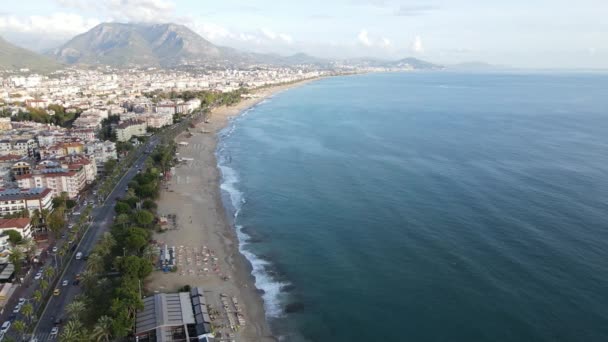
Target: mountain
(140, 44)
(13, 57)
(405, 63)
(170, 45)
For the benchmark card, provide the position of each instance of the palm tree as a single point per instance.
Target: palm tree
(30, 248)
(45, 214)
(15, 258)
(95, 264)
(27, 310)
(103, 329)
(44, 285)
(72, 332)
(75, 309)
(20, 326)
(37, 296)
(149, 252)
(36, 218)
(106, 244)
(48, 272)
(89, 279)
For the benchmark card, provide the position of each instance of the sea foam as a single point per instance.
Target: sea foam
(236, 199)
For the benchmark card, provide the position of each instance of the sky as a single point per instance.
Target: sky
(518, 33)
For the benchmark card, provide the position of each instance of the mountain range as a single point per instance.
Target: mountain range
(167, 45)
(13, 57)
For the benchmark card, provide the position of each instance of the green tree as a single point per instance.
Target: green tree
(20, 326)
(44, 285)
(95, 263)
(37, 296)
(27, 310)
(143, 218)
(122, 208)
(45, 215)
(14, 237)
(36, 218)
(16, 258)
(56, 221)
(133, 266)
(149, 205)
(48, 272)
(75, 309)
(105, 245)
(103, 329)
(136, 238)
(73, 331)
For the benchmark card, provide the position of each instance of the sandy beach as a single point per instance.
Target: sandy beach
(206, 243)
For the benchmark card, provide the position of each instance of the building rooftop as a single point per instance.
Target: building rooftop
(20, 194)
(165, 311)
(20, 222)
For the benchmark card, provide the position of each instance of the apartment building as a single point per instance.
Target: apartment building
(55, 178)
(22, 225)
(16, 200)
(130, 128)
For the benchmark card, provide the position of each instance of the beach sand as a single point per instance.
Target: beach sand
(204, 231)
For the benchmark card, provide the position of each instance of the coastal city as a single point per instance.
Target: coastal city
(92, 164)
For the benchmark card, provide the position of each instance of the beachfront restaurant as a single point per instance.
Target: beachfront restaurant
(170, 317)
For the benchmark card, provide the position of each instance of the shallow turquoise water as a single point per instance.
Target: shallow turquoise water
(427, 207)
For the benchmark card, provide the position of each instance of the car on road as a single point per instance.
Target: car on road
(54, 332)
(5, 327)
(54, 249)
(64, 283)
(78, 255)
(57, 292)
(76, 213)
(38, 276)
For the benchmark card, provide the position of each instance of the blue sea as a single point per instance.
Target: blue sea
(426, 206)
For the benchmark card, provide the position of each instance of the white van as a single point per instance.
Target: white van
(78, 255)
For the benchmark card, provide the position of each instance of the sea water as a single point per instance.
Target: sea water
(426, 206)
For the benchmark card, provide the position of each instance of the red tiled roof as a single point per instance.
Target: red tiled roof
(14, 223)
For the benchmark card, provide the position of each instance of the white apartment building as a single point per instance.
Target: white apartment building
(22, 225)
(5, 249)
(58, 180)
(16, 200)
(101, 152)
(130, 128)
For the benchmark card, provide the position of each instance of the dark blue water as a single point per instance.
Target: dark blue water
(427, 207)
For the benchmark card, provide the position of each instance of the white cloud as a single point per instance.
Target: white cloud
(417, 45)
(126, 10)
(56, 24)
(364, 38)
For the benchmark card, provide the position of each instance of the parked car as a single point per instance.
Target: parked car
(5, 326)
(38, 276)
(57, 292)
(54, 249)
(21, 301)
(17, 309)
(64, 283)
(54, 331)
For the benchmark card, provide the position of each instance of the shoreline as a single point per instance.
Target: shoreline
(206, 240)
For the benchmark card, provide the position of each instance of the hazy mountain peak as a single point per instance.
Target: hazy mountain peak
(13, 57)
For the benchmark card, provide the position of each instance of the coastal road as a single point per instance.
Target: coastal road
(102, 220)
